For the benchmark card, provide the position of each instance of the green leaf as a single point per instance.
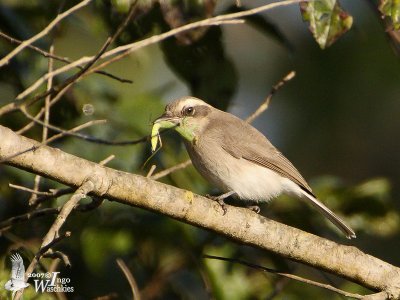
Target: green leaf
(328, 21)
(391, 10)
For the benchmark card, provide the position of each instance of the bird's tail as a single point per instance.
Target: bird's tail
(338, 222)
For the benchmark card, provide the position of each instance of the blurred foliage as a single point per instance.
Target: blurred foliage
(340, 115)
(391, 9)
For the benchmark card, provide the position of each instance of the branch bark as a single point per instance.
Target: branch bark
(239, 224)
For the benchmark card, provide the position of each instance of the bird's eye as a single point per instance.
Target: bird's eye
(188, 111)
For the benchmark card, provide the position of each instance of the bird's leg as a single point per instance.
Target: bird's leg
(220, 199)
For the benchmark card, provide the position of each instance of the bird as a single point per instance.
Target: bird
(237, 158)
(17, 281)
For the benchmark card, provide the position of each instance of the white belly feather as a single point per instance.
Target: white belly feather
(248, 180)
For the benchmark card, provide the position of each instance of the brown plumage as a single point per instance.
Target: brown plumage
(237, 158)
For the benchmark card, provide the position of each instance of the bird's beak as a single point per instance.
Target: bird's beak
(167, 121)
(164, 121)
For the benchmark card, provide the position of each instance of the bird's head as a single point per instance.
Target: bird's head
(187, 116)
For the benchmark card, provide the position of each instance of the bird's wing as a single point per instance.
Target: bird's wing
(248, 143)
(18, 269)
(281, 165)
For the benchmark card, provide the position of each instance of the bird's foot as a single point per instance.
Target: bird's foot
(220, 201)
(254, 208)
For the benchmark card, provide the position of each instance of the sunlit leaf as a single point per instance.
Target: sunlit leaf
(328, 21)
(391, 10)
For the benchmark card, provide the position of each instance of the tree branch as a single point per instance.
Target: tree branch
(238, 224)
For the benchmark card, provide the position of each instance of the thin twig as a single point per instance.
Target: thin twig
(31, 123)
(92, 139)
(60, 58)
(37, 49)
(45, 130)
(85, 137)
(129, 48)
(38, 256)
(107, 160)
(172, 169)
(155, 285)
(60, 255)
(67, 208)
(54, 241)
(63, 87)
(54, 194)
(264, 105)
(40, 253)
(40, 113)
(29, 216)
(36, 184)
(71, 132)
(61, 192)
(84, 70)
(95, 203)
(60, 130)
(32, 191)
(53, 237)
(132, 282)
(287, 275)
(128, 51)
(48, 98)
(5, 60)
(151, 171)
(133, 9)
(72, 79)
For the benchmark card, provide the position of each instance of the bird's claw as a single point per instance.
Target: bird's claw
(254, 208)
(220, 201)
(223, 206)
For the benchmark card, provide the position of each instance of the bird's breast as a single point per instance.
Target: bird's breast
(248, 180)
